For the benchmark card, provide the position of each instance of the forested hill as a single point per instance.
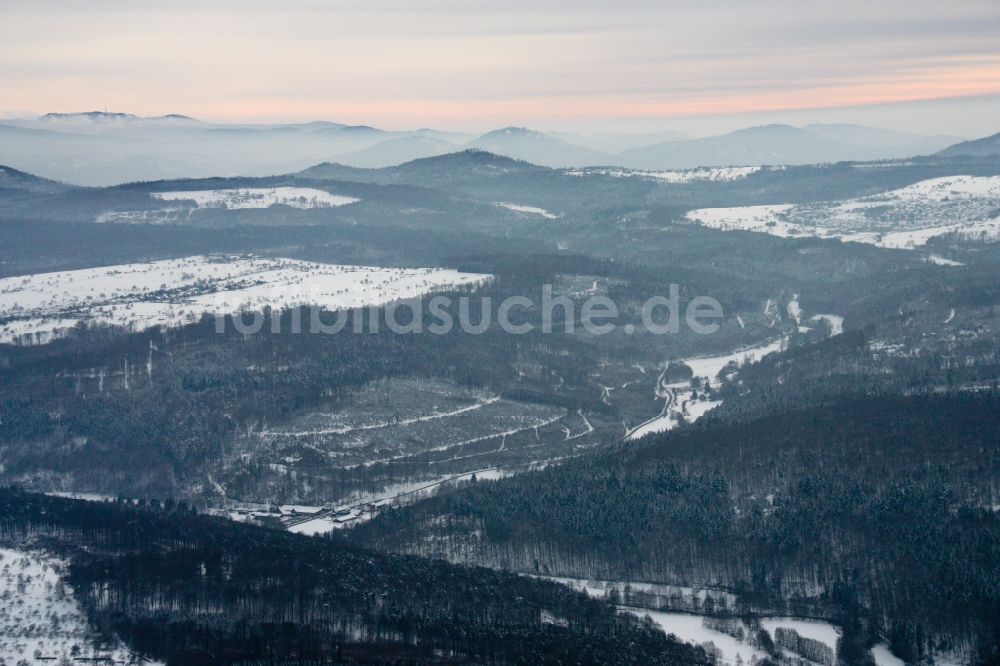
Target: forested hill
(190, 589)
(878, 513)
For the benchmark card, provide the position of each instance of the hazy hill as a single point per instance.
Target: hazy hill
(444, 170)
(397, 151)
(875, 137)
(989, 145)
(537, 148)
(615, 142)
(782, 144)
(14, 181)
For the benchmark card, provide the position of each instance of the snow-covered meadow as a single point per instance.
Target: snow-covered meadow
(732, 646)
(731, 640)
(40, 621)
(34, 308)
(258, 197)
(906, 218)
(679, 176)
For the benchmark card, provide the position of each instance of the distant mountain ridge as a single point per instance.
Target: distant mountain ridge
(109, 115)
(104, 148)
(537, 148)
(782, 144)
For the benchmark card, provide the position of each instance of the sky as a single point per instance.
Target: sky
(696, 66)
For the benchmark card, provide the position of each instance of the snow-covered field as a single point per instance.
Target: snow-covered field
(703, 174)
(41, 622)
(258, 197)
(530, 210)
(696, 629)
(34, 308)
(906, 218)
(824, 632)
(692, 627)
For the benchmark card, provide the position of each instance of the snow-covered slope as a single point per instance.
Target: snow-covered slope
(34, 308)
(904, 218)
(41, 622)
(258, 197)
(710, 174)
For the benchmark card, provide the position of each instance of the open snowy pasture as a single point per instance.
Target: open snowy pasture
(34, 308)
(733, 640)
(40, 621)
(258, 197)
(679, 176)
(905, 218)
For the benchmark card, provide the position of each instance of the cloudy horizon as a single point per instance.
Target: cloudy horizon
(915, 66)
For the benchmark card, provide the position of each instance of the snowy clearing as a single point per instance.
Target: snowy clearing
(906, 218)
(698, 630)
(709, 367)
(313, 527)
(690, 629)
(530, 210)
(41, 621)
(34, 308)
(817, 630)
(258, 197)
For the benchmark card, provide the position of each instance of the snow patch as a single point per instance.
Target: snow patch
(710, 174)
(883, 657)
(531, 210)
(941, 261)
(836, 322)
(258, 197)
